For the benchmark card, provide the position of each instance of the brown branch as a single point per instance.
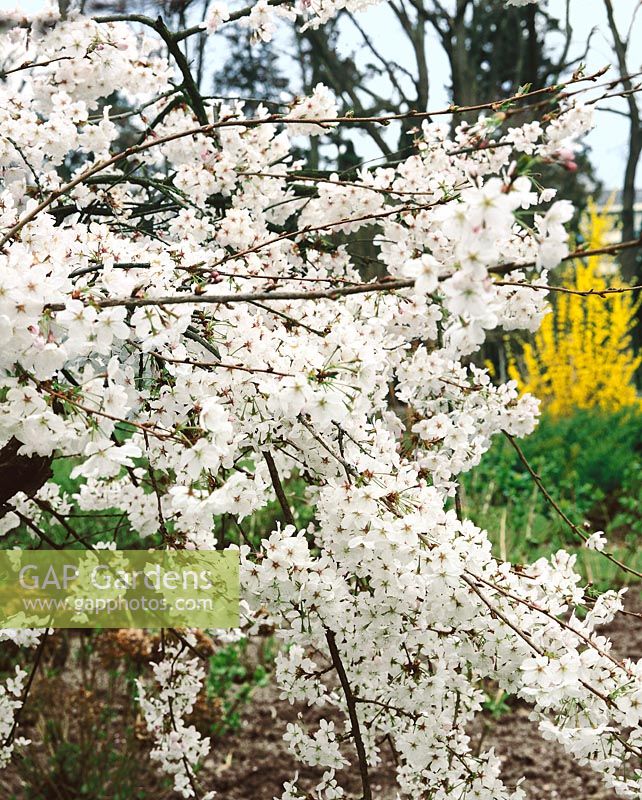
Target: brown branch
(189, 85)
(571, 525)
(533, 607)
(20, 473)
(502, 269)
(350, 470)
(218, 364)
(46, 506)
(32, 526)
(33, 65)
(565, 290)
(223, 299)
(328, 294)
(278, 488)
(27, 689)
(271, 119)
(526, 638)
(496, 612)
(352, 712)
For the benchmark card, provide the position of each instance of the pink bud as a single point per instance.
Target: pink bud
(564, 154)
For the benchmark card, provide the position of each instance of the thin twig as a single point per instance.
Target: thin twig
(27, 689)
(554, 505)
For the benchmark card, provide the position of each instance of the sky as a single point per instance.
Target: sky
(607, 141)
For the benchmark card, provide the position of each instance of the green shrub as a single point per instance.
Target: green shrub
(590, 462)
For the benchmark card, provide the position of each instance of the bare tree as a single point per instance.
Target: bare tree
(621, 46)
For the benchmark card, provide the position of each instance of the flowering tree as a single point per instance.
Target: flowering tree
(178, 316)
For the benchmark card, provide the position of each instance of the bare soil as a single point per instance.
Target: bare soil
(253, 763)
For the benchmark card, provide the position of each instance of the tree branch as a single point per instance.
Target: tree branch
(278, 488)
(352, 712)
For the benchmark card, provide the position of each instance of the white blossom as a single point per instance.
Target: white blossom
(186, 363)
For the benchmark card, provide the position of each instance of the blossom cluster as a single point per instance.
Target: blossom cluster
(178, 746)
(10, 704)
(182, 322)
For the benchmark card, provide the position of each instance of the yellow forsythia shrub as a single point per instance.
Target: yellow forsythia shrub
(581, 357)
